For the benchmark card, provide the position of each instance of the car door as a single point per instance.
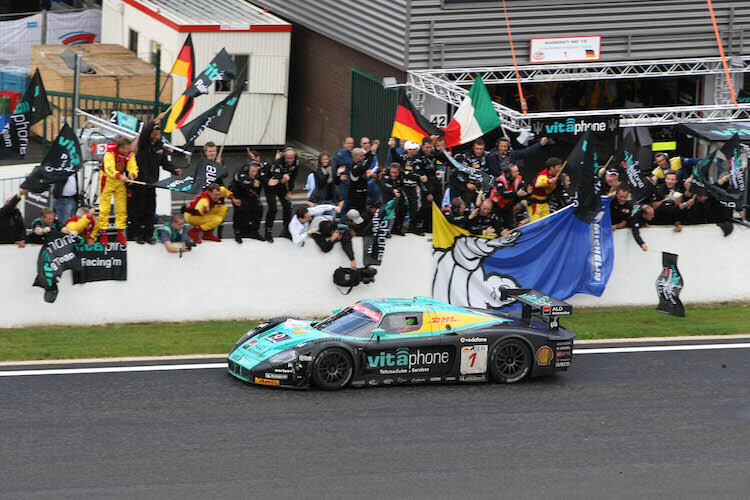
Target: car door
(467, 352)
(408, 350)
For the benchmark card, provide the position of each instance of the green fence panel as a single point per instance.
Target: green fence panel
(99, 106)
(372, 109)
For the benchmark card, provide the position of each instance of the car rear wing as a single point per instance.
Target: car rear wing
(535, 301)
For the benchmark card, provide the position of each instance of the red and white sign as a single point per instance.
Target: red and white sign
(565, 49)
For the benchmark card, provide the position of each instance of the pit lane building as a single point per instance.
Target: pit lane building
(652, 63)
(258, 41)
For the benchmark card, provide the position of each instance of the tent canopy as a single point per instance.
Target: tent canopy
(717, 132)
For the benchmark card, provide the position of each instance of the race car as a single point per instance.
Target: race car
(408, 341)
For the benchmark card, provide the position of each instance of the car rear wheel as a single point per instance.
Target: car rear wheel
(332, 369)
(510, 361)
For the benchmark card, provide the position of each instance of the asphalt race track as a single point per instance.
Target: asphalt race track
(672, 424)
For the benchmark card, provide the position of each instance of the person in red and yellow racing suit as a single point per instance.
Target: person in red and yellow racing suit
(82, 224)
(544, 183)
(119, 168)
(207, 211)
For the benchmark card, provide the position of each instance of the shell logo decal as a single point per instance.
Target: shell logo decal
(544, 355)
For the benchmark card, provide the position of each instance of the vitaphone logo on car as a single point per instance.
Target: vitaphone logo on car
(406, 360)
(606, 124)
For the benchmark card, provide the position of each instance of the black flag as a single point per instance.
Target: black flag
(62, 161)
(474, 175)
(206, 173)
(197, 126)
(224, 119)
(638, 184)
(669, 285)
(33, 107)
(374, 243)
(582, 161)
(726, 160)
(34, 102)
(55, 256)
(221, 68)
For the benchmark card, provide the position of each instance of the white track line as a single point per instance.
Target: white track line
(658, 348)
(112, 369)
(205, 366)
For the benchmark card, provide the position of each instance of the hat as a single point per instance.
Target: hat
(410, 145)
(354, 216)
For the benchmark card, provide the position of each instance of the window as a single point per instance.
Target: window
(357, 321)
(400, 323)
(133, 41)
(242, 62)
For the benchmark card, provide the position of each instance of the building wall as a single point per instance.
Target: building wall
(378, 28)
(162, 287)
(473, 34)
(320, 88)
(260, 119)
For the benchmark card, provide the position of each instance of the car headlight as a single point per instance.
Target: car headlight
(283, 357)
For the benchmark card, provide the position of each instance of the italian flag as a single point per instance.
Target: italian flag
(475, 117)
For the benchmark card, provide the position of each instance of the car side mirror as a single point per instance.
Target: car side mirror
(378, 333)
(336, 311)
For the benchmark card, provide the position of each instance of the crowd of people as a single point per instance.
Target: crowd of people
(344, 191)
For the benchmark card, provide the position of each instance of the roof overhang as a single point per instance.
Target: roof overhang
(165, 18)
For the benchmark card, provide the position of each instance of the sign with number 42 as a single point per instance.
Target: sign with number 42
(473, 359)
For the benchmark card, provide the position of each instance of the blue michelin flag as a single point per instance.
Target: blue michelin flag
(558, 255)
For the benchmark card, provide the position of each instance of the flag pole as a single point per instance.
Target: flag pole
(158, 98)
(223, 143)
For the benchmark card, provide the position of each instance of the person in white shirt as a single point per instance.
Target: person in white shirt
(299, 226)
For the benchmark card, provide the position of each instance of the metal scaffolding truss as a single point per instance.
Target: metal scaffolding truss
(446, 85)
(535, 73)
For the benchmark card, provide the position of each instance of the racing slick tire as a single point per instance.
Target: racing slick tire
(510, 361)
(332, 369)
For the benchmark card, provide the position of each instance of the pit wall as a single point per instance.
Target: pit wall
(260, 280)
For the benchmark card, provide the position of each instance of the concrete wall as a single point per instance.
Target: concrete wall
(260, 280)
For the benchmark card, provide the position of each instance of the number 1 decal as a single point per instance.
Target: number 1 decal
(473, 359)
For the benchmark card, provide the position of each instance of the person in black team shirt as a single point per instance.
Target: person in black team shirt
(149, 156)
(504, 155)
(279, 185)
(457, 213)
(12, 229)
(478, 158)
(620, 208)
(392, 186)
(42, 226)
(247, 186)
(361, 162)
(410, 182)
(428, 179)
(484, 221)
(668, 202)
(640, 217)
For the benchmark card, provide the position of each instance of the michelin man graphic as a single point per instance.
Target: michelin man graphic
(459, 276)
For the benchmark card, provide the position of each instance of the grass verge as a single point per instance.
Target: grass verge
(219, 336)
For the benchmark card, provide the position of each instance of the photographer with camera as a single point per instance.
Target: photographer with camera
(329, 233)
(172, 232)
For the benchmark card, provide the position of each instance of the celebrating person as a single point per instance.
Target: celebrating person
(172, 232)
(150, 156)
(246, 187)
(119, 168)
(42, 226)
(207, 211)
(544, 183)
(12, 229)
(82, 224)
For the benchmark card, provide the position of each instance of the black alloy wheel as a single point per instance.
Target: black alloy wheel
(510, 361)
(332, 369)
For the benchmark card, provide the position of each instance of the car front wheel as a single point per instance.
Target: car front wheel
(510, 361)
(332, 369)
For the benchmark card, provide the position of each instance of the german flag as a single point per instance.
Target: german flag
(409, 124)
(183, 66)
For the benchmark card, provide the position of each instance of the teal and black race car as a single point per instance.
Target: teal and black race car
(407, 341)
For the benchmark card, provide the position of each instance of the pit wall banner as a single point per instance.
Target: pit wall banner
(17, 37)
(558, 255)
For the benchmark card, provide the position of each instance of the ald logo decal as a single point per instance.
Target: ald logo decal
(574, 127)
(404, 360)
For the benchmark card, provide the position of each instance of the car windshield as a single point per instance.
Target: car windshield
(355, 321)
